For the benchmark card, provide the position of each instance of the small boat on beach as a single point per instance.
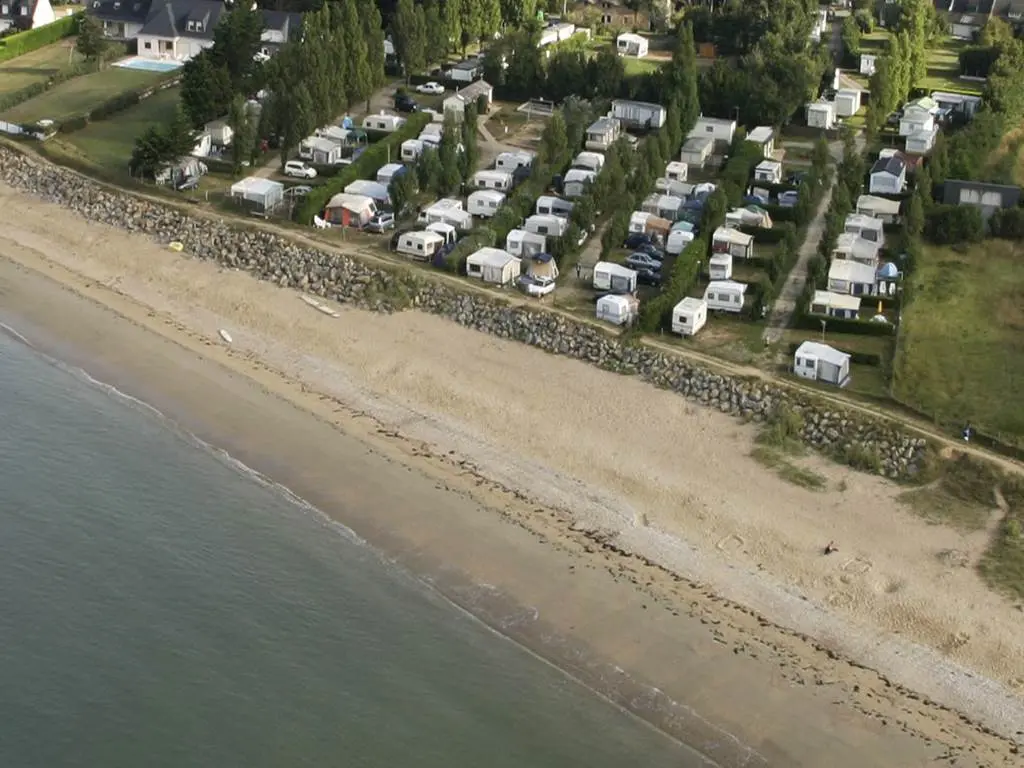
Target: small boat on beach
(225, 335)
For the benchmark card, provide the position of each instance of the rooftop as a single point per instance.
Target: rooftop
(822, 352)
(761, 135)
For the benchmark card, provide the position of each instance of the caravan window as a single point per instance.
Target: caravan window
(736, 299)
(473, 269)
(542, 230)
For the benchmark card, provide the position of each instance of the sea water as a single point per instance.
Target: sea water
(159, 607)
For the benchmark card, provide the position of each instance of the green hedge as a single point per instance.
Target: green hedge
(30, 40)
(780, 213)
(769, 236)
(657, 312)
(365, 167)
(116, 104)
(860, 358)
(812, 322)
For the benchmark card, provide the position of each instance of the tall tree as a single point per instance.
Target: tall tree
(605, 73)
(373, 28)
(205, 89)
(554, 142)
(435, 34)
(408, 35)
(243, 134)
(470, 155)
(448, 153)
(91, 42)
(299, 118)
(472, 21)
(359, 79)
(236, 41)
(453, 23)
(490, 20)
(683, 76)
(514, 13)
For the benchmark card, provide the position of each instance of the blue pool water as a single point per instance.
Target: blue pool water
(148, 65)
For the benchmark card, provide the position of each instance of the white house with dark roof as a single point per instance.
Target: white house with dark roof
(888, 176)
(25, 14)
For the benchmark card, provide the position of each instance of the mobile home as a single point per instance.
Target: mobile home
(493, 265)
(768, 171)
(388, 173)
(549, 205)
(374, 190)
(602, 133)
(320, 151)
(841, 305)
(820, 362)
(590, 161)
(420, 245)
(383, 122)
(447, 211)
(510, 161)
(727, 240)
(550, 226)
(500, 180)
(676, 170)
(638, 114)
(617, 309)
(664, 206)
(714, 128)
(521, 243)
(677, 240)
(484, 202)
(696, 150)
(720, 266)
(609, 276)
(689, 316)
(411, 150)
(576, 181)
(725, 295)
(630, 44)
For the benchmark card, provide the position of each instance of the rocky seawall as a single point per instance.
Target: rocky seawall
(870, 444)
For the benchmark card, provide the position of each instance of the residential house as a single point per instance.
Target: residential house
(821, 114)
(865, 227)
(768, 171)
(888, 176)
(629, 44)
(987, 197)
(25, 14)
(465, 71)
(179, 29)
(764, 137)
(881, 208)
(839, 305)
(918, 115)
(696, 151)
(642, 115)
(720, 130)
(614, 13)
(922, 142)
(471, 94)
(852, 247)
(852, 277)
(120, 19)
(820, 362)
(602, 133)
(847, 102)
(728, 240)
(493, 265)
(867, 64)
(278, 28)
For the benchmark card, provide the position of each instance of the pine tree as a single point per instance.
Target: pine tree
(408, 34)
(91, 42)
(448, 153)
(436, 38)
(472, 21)
(554, 143)
(243, 133)
(683, 76)
(453, 23)
(359, 79)
(373, 28)
(490, 19)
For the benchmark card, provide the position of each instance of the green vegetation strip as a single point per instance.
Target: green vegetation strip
(30, 40)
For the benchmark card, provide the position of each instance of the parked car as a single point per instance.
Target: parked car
(381, 223)
(299, 169)
(406, 103)
(536, 286)
(300, 190)
(638, 260)
(646, 276)
(651, 250)
(434, 89)
(187, 183)
(636, 239)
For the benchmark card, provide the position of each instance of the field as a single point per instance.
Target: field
(108, 143)
(80, 94)
(943, 64)
(961, 355)
(34, 67)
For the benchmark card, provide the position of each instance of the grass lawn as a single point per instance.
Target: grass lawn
(36, 66)
(80, 94)
(108, 143)
(944, 70)
(961, 355)
(634, 66)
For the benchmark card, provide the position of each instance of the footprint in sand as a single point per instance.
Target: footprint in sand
(731, 543)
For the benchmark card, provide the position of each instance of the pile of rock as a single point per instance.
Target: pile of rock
(868, 443)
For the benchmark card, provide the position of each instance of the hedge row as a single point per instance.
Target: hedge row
(365, 167)
(33, 39)
(657, 312)
(860, 358)
(117, 104)
(812, 322)
(62, 75)
(769, 236)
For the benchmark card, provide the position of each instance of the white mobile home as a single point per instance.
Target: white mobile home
(602, 133)
(647, 223)
(500, 180)
(617, 309)
(589, 161)
(510, 161)
(320, 151)
(882, 208)
(576, 181)
(888, 176)
(720, 266)
(728, 240)
(725, 295)
(768, 171)
(549, 205)
(696, 150)
(389, 172)
(847, 102)
(664, 206)
(447, 231)
(681, 189)
(643, 115)
(922, 142)
(677, 241)
(841, 305)
(867, 64)
(411, 150)
(676, 171)
(521, 243)
(866, 227)
(493, 265)
(420, 245)
(820, 362)
(447, 211)
(485, 202)
(383, 122)
(689, 316)
(821, 114)
(851, 277)
(764, 137)
(549, 226)
(609, 276)
(220, 132)
(714, 128)
(629, 44)
(374, 190)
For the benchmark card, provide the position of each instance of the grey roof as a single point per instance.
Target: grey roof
(119, 10)
(1010, 196)
(893, 164)
(14, 9)
(171, 18)
(285, 22)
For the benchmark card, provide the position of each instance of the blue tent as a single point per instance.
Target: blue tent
(888, 271)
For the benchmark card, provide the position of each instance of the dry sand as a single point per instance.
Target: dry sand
(651, 473)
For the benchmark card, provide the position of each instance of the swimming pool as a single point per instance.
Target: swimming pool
(148, 65)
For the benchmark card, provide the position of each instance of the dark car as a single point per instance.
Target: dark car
(647, 276)
(636, 239)
(651, 250)
(406, 103)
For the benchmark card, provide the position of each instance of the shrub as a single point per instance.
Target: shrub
(1008, 223)
(365, 167)
(812, 322)
(949, 224)
(33, 39)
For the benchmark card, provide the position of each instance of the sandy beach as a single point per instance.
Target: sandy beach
(612, 526)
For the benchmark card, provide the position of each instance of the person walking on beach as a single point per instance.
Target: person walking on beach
(830, 548)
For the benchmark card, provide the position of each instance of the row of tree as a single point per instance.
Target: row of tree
(425, 33)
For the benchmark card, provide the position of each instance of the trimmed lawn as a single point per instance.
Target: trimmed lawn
(108, 143)
(81, 94)
(944, 70)
(635, 66)
(961, 352)
(36, 66)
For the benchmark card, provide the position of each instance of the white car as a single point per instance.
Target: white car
(432, 88)
(299, 169)
(536, 286)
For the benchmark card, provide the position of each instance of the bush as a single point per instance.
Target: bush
(33, 39)
(365, 167)
(1008, 223)
(769, 236)
(812, 322)
(950, 224)
(780, 213)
